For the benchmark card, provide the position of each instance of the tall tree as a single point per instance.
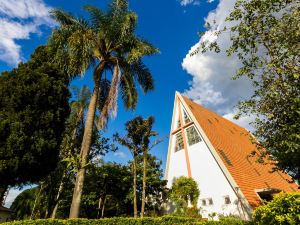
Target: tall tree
(144, 127)
(33, 109)
(132, 141)
(137, 140)
(265, 36)
(107, 43)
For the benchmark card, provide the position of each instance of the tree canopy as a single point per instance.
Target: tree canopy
(33, 109)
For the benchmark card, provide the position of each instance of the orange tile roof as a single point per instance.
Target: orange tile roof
(233, 145)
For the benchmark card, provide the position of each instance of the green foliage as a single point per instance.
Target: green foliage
(284, 209)
(265, 37)
(109, 183)
(165, 220)
(33, 109)
(184, 191)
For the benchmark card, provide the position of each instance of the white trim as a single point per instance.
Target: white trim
(170, 136)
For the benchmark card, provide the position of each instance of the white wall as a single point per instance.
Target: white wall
(207, 173)
(177, 164)
(212, 182)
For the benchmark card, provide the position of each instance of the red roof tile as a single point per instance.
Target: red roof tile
(233, 145)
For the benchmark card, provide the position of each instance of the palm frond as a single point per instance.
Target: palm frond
(62, 17)
(139, 49)
(110, 106)
(128, 90)
(97, 17)
(118, 7)
(103, 94)
(143, 76)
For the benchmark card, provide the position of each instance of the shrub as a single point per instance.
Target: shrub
(184, 191)
(165, 220)
(283, 209)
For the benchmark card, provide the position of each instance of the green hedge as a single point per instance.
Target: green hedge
(165, 220)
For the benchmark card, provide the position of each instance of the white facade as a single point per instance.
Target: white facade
(218, 192)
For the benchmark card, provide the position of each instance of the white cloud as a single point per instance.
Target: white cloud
(19, 19)
(13, 193)
(211, 72)
(189, 2)
(244, 121)
(120, 155)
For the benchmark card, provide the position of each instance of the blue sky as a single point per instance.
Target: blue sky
(172, 26)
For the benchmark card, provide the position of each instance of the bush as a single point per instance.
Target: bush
(284, 209)
(165, 220)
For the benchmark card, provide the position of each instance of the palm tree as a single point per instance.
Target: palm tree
(106, 43)
(78, 107)
(147, 125)
(137, 141)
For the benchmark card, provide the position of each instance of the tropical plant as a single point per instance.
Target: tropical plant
(133, 141)
(106, 43)
(184, 191)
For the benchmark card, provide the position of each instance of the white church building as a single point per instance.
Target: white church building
(215, 152)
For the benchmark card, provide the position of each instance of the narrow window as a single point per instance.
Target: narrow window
(179, 142)
(192, 135)
(178, 123)
(186, 117)
(227, 200)
(210, 201)
(203, 202)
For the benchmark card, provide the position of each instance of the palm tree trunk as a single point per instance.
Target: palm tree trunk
(61, 185)
(99, 206)
(60, 190)
(35, 201)
(144, 184)
(85, 147)
(134, 188)
(103, 207)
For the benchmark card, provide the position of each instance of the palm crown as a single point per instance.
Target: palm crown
(106, 43)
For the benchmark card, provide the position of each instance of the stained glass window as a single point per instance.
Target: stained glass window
(192, 135)
(186, 117)
(179, 142)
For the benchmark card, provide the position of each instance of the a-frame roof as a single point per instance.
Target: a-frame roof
(233, 145)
